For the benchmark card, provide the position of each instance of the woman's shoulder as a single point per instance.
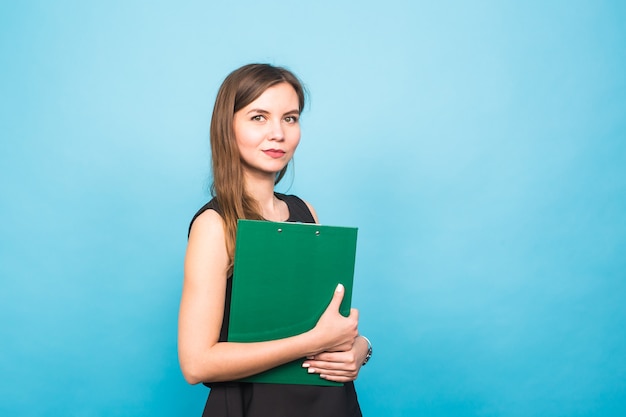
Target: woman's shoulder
(211, 211)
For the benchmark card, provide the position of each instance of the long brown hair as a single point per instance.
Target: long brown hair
(240, 88)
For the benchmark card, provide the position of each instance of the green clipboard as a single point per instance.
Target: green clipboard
(284, 276)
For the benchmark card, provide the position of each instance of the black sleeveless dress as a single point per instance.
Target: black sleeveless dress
(239, 399)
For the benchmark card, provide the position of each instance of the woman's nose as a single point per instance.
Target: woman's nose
(276, 131)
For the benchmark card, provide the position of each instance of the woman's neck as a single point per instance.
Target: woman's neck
(262, 190)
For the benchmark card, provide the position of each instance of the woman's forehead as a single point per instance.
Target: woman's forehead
(280, 96)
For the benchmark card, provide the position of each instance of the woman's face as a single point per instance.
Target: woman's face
(267, 130)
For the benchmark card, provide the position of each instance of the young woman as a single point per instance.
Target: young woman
(255, 131)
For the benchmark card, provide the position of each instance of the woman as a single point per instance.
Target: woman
(255, 131)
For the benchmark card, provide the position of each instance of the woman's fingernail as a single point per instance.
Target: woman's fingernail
(310, 357)
(311, 370)
(306, 365)
(339, 288)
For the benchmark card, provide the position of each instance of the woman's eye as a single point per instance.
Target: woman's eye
(258, 118)
(291, 119)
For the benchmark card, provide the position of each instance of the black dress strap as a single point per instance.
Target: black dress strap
(298, 210)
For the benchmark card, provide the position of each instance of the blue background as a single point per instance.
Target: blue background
(480, 147)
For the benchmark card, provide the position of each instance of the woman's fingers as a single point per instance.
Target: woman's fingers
(334, 331)
(334, 366)
(335, 302)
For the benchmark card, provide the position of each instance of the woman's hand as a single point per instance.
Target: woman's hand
(333, 331)
(339, 366)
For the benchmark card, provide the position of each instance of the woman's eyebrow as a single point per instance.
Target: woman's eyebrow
(263, 111)
(257, 111)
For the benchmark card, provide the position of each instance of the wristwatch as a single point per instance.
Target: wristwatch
(369, 350)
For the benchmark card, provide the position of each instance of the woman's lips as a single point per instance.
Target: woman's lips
(274, 153)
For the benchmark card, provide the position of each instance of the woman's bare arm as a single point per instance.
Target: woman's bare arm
(202, 357)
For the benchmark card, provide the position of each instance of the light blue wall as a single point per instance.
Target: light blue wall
(479, 146)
